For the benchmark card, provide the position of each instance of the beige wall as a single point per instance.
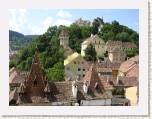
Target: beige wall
(116, 57)
(74, 68)
(99, 47)
(131, 94)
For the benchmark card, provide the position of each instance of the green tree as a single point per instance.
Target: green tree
(12, 63)
(94, 30)
(85, 31)
(56, 73)
(131, 52)
(118, 91)
(123, 36)
(90, 53)
(115, 27)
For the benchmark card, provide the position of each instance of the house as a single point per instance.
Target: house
(116, 50)
(94, 89)
(75, 66)
(116, 55)
(130, 68)
(128, 45)
(15, 78)
(107, 68)
(131, 86)
(32, 88)
(64, 42)
(97, 42)
(113, 44)
(35, 89)
(119, 44)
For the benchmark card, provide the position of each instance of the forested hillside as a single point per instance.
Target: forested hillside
(51, 54)
(18, 40)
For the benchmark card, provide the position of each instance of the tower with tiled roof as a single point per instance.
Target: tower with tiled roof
(35, 82)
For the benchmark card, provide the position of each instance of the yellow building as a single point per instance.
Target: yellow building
(129, 73)
(75, 66)
(131, 93)
(97, 42)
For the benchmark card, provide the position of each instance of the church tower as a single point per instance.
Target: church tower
(64, 38)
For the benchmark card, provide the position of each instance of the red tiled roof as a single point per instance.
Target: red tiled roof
(113, 43)
(109, 81)
(134, 72)
(128, 45)
(111, 65)
(130, 67)
(127, 81)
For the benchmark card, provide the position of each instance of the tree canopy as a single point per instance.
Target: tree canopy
(51, 55)
(90, 53)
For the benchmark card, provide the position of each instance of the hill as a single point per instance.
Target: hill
(18, 40)
(51, 54)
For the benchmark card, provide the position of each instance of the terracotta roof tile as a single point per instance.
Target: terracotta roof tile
(130, 67)
(128, 45)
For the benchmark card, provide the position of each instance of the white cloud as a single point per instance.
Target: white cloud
(40, 29)
(18, 19)
(63, 22)
(47, 22)
(19, 22)
(64, 14)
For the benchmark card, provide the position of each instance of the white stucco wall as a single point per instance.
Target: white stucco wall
(99, 102)
(71, 69)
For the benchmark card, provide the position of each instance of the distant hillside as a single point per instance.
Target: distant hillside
(18, 40)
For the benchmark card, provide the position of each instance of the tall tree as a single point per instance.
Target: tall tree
(90, 53)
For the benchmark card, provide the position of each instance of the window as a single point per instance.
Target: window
(79, 69)
(83, 75)
(74, 62)
(68, 68)
(83, 69)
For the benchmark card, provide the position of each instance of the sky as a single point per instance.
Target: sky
(31, 21)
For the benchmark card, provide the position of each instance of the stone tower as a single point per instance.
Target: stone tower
(64, 38)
